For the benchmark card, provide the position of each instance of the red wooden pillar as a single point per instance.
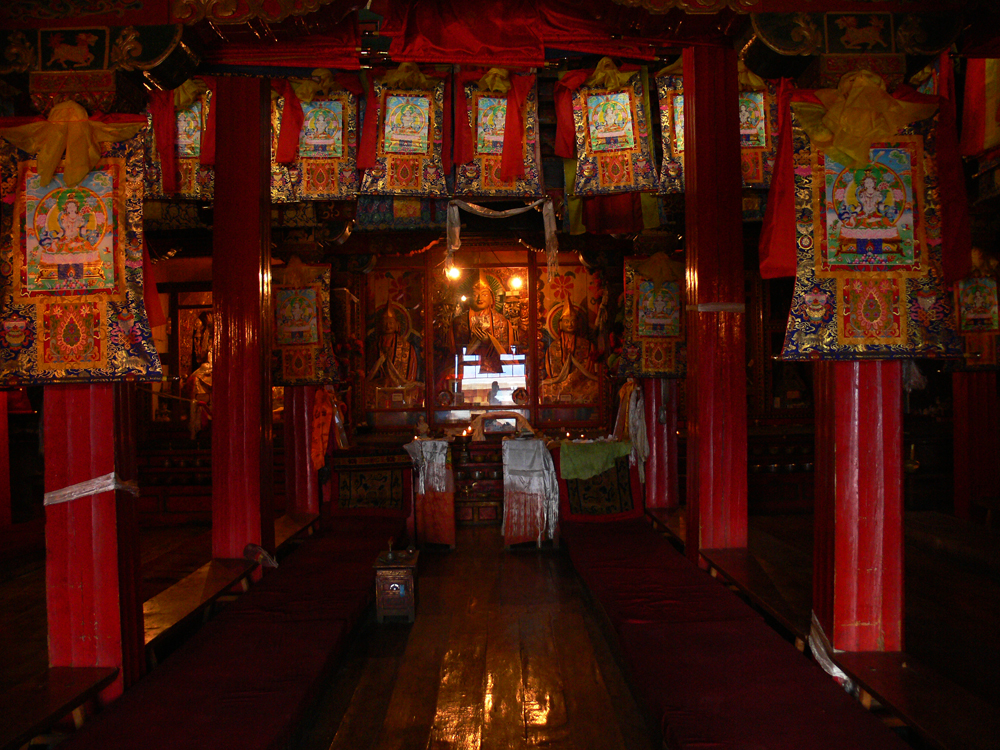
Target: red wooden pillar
(6, 514)
(301, 477)
(660, 398)
(717, 416)
(858, 554)
(242, 437)
(92, 544)
(976, 440)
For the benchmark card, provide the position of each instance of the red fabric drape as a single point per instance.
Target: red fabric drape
(974, 109)
(496, 34)
(338, 50)
(562, 95)
(512, 159)
(161, 107)
(777, 238)
(292, 118)
(208, 134)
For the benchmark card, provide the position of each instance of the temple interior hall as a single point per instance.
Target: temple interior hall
(611, 374)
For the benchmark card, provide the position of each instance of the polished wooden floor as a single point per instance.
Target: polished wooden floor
(505, 653)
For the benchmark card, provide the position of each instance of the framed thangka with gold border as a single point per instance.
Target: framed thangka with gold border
(71, 266)
(409, 143)
(653, 337)
(488, 119)
(868, 281)
(302, 351)
(612, 140)
(326, 167)
(393, 386)
(571, 308)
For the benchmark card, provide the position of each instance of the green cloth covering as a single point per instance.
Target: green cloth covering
(586, 460)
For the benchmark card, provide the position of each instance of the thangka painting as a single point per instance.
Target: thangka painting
(653, 339)
(394, 342)
(670, 89)
(72, 307)
(302, 352)
(758, 113)
(978, 315)
(326, 168)
(409, 145)
(488, 118)
(571, 306)
(868, 283)
(612, 140)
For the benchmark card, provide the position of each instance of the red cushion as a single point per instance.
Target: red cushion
(738, 684)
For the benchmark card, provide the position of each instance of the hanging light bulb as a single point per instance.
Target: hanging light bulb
(453, 272)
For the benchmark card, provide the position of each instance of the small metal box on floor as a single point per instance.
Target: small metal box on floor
(395, 585)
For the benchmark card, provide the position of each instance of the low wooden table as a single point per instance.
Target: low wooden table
(395, 584)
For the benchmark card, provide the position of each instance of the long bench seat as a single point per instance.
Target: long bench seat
(708, 668)
(247, 677)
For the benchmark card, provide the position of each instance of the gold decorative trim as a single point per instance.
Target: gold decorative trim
(125, 49)
(690, 6)
(20, 53)
(240, 11)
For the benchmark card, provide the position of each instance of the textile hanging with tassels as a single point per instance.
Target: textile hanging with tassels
(303, 343)
(868, 227)
(403, 147)
(71, 253)
(653, 337)
(181, 144)
(496, 134)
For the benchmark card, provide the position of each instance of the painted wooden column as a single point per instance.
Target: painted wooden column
(92, 543)
(716, 382)
(858, 553)
(6, 512)
(301, 478)
(976, 440)
(242, 436)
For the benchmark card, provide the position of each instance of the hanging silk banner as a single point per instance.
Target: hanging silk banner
(488, 121)
(303, 343)
(195, 180)
(410, 134)
(869, 280)
(612, 135)
(653, 339)
(71, 271)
